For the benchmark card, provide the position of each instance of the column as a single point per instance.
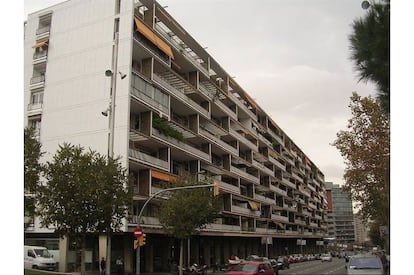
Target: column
(102, 247)
(63, 254)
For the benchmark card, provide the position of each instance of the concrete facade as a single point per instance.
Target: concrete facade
(269, 187)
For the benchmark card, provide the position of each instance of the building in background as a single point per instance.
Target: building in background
(340, 214)
(361, 230)
(174, 110)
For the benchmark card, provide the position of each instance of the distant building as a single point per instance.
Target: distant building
(340, 214)
(361, 230)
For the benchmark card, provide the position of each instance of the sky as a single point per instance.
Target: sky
(291, 57)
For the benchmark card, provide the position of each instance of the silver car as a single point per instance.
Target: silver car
(365, 264)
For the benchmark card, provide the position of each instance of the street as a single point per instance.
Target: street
(337, 266)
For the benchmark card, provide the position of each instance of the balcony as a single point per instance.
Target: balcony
(222, 227)
(146, 93)
(245, 211)
(180, 95)
(262, 168)
(34, 108)
(43, 30)
(288, 183)
(241, 105)
(151, 222)
(148, 159)
(244, 174)
(182, 48)
(278, 190)
(39, 57)
(37, 82)
(264, 199)
(229, 187)
(243, 140)
(279, 218)
(181, 146)
(218, 142)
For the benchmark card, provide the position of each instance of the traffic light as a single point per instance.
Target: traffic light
(142, 240)
(216, 190)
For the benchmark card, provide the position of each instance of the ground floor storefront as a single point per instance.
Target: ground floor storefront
(161, 253)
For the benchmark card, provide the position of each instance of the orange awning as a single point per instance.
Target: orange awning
(253, 205)
(153, 37)
(41, 43)
(163, 176)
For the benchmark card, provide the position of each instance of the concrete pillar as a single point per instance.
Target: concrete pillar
(63, 254)
(128, 255)
(102, 247)
(226, 251)
(206, 252)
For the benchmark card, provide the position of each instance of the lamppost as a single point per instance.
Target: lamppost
(110, 111)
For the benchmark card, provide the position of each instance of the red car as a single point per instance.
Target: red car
(252, 268)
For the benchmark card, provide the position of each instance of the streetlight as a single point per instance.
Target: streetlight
(110, 111)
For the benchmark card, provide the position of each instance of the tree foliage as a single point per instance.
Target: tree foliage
(32, 170)
(370, 49)
(365, 147)
(85, 192)
(188, 210)
(32, 155)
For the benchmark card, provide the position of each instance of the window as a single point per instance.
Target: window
(36, 98)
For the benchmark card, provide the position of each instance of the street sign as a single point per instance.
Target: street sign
(138, 233)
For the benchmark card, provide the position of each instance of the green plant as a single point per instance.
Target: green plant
(161, 125)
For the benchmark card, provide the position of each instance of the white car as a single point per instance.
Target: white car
(326, 258)
(365, 264)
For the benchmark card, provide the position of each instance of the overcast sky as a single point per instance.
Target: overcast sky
(291, 56)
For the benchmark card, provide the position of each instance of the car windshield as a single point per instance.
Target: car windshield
(43, 253)
(325, 255)
(365, 263)
(245, 267)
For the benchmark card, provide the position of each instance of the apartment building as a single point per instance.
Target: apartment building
(132, 61)
(340, 217)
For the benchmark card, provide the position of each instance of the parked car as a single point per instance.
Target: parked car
(365, 264)
(38, 257)
(252, 268)
(282, 263)
(326, 257)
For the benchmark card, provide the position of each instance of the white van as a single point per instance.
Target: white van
(38, 257)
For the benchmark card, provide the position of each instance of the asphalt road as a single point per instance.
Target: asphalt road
(337, 266)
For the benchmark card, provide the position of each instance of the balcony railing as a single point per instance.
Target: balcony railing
(218, 141)
(244, 174)
(244, 140)
(182, 50)
(39, 55)
(37, 79)
(181, 96)
(34, 106)
(182, 146)
(43, 30)
(229, 187)
(147, 159)
(222, 227)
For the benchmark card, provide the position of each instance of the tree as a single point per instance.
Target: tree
(188, 210)
(366, 150)
(370, 49)
(32, 170)
(85, 193)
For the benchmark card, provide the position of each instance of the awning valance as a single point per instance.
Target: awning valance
(153, 37)
(163, 176)
(41, 43)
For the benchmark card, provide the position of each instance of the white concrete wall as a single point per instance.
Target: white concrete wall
(76, 89)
